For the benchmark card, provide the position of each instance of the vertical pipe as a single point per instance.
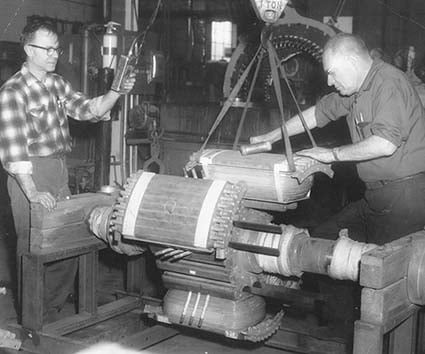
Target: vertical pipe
(85, 62)
(103, 134)
(190, 37)
(107, 10)
(131, 157)
(136, 163)
(123, 132)
(103, 139)
(384, 25)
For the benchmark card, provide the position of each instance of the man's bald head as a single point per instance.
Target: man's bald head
(346, 61)
(347, 44)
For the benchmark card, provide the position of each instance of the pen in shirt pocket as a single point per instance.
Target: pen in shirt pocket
(361, 122)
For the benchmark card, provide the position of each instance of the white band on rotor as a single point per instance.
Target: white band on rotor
(282, 242)
(346, 258)
(268, 264)
(207, 212)
(277, 168)
(134, 201)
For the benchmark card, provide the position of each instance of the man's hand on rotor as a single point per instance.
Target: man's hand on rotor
(44, 198)
(321, 154)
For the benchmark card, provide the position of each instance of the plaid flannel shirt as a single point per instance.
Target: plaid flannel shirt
(33, 118)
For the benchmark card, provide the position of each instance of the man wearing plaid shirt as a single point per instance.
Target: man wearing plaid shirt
(34, 139)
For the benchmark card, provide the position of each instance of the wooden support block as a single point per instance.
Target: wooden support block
(73, 323)
(70, 211)
(136, 270)
(403, 337)
(32, 292)
(368, 338)
(149, 337)
(87, 281)
(421, 331)
(302, 341)
(59, 237)
(112, 330)
(67, 223)
(71, 250)
(386, 264)
(387, 307)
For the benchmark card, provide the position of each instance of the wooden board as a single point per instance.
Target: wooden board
(403, 338)
(66, 225)
(368, 338)
(149, 337)
(69, 211)
(84, 320)
(32, 292)
(302, 336)
(59, 236)
(304, 343)
(387, 307)
(113, 329)
(386, 264)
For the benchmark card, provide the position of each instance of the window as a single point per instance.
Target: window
(223, 39)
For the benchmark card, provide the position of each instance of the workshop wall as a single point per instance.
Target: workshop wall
(13, 13)
(390, 25)
(183, 29)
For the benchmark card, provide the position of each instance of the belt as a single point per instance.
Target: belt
(382, 183)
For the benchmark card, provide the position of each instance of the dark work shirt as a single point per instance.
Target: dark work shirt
(387, 106)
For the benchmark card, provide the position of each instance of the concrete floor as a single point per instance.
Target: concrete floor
(193, 345)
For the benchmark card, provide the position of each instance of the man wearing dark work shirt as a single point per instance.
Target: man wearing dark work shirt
(387, 125)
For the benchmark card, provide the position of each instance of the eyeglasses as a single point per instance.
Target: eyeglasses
(49, 50)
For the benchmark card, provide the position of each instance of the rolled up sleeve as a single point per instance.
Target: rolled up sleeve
(95, 108)
(13, 132)
(80, 107)
(19, 167)
(388, 114)
(331, 107)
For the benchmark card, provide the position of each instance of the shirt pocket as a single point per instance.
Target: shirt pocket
(37, 121)
(61, 110)
(362, 120)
